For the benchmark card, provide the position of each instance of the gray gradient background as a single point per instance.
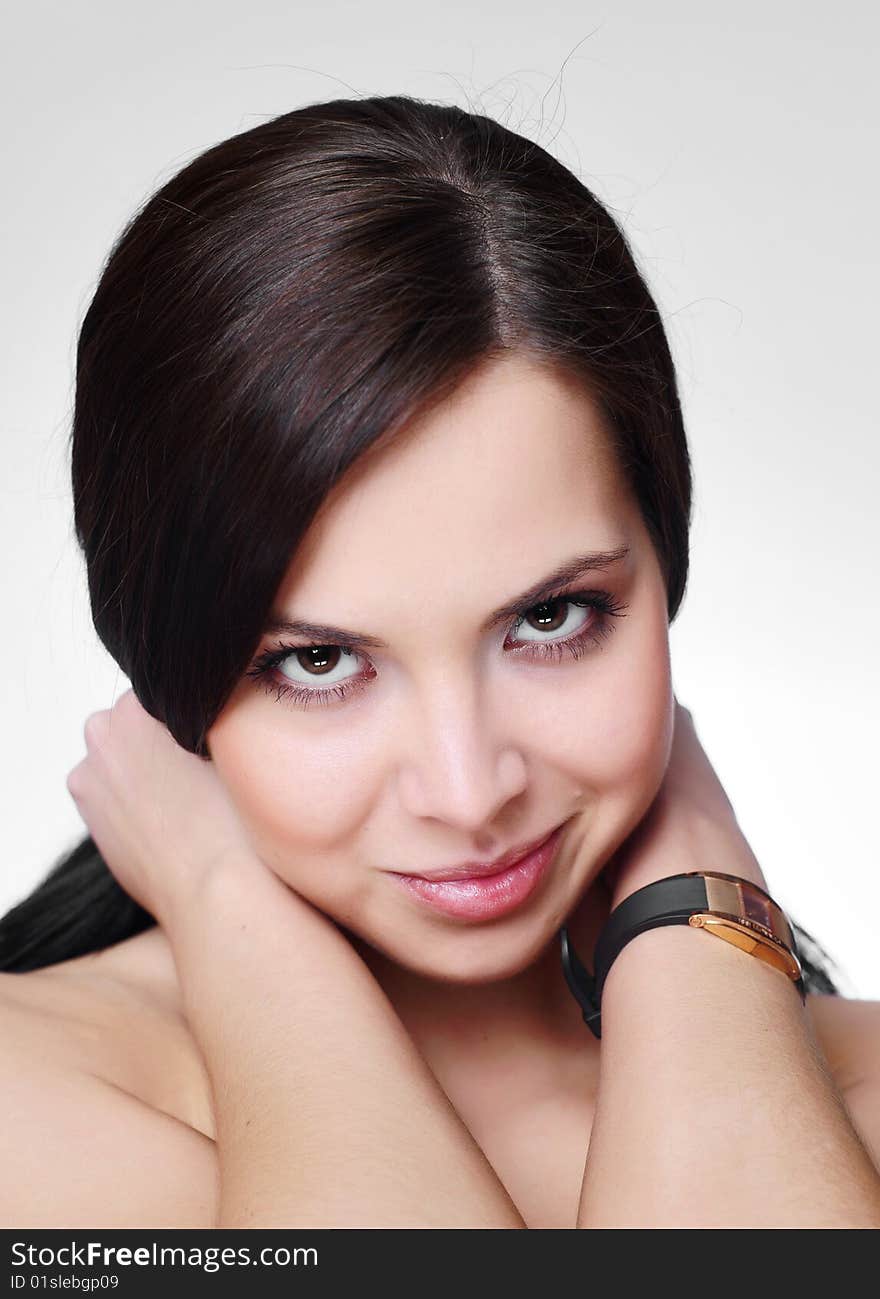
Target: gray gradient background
(734, 146)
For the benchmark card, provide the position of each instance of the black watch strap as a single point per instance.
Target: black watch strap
(670, 901)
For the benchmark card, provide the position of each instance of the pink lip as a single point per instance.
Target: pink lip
(469, 870)
(486, 896)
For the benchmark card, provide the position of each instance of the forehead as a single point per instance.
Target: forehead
(496, 485)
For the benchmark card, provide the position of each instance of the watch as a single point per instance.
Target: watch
(727, 906)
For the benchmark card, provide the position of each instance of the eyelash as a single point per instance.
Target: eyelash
(602, 602)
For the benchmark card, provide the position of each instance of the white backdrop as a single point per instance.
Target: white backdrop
(734, 145)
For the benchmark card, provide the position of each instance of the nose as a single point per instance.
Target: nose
(461, 764)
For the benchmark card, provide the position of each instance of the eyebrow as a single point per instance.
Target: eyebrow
(323, 634)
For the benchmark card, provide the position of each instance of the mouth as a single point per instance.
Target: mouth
(481, 869)
(503, 886)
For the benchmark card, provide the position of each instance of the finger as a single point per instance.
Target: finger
(74, 780)
(96, 729)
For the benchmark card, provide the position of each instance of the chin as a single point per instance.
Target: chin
(473, 954)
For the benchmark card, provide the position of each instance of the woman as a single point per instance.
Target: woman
(381, 480)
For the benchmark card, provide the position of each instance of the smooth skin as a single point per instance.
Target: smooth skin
(369, 1062)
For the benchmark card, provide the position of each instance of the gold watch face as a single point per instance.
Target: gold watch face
(757, 909)
(748, 904)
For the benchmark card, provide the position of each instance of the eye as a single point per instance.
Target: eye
(299, 664)
(557, 619)
(573, 640)
(287, 670)
(323, 663)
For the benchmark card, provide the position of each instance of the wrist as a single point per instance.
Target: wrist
(232, 886)
(241, 910)
(675, 982)
(726, 905)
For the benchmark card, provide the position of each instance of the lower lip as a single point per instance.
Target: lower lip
(492, 895)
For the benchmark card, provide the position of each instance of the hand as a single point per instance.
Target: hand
(691, 824)
(160, 816)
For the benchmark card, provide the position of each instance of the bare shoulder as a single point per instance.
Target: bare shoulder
(848, 1031)
(106, 1117)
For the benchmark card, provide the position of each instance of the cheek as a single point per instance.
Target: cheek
(291, 794)
(618, 743)
(617, 738)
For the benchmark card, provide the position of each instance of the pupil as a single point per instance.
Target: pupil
(320, 657)
(543, 618)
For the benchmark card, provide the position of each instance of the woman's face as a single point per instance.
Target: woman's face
(459, 738)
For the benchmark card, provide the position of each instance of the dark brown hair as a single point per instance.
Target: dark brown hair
(277, 310)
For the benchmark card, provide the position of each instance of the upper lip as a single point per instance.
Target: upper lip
(476, 869)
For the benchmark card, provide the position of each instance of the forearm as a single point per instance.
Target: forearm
(326, 1113)
(716, 1107)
